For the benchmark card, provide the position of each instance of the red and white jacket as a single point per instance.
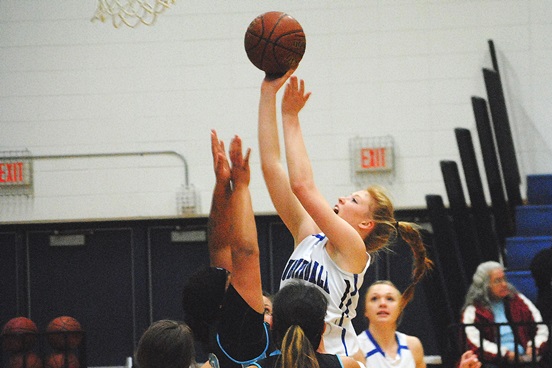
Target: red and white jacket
(518, 309)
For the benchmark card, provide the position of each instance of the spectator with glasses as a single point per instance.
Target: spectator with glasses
(491, 299)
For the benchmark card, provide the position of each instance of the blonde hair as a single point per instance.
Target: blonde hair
(297, 350)
(387, 228)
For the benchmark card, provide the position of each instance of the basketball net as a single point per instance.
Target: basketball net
(130, 12)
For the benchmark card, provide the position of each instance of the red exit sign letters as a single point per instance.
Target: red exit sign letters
(15, 173)
(375, 159)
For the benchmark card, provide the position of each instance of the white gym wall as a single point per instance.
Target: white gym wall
(405, 68)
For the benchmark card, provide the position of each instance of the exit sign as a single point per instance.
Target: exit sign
(15, 172)
(16, 175)
(374, 159)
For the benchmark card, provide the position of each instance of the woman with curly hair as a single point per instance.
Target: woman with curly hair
(492, 299)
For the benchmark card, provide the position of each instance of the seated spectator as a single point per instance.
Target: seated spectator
(166, 344)
(299, 310)
(541, 270)
(381, 343)
(492, 299)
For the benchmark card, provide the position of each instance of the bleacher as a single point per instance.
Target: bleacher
(533, 234)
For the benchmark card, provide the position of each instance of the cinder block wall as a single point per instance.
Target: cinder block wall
(71, 87)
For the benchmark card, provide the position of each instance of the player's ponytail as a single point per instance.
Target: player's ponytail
(411, 235)
(296, 350)
(388, 229)
(298, 324)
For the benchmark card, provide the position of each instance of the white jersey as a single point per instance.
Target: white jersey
(311, 262)
(376, 358)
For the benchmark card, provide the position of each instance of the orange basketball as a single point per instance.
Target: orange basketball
(62, 360)
(275, 42)
(25, 360)
(64, 333)
(19, 334)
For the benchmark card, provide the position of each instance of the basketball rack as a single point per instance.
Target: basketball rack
(39, 349)
(130, 12)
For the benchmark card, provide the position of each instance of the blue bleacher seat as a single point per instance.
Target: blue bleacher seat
(533, 220)
(524, 282)
(533, 234)
(539, 189)
(520, 250)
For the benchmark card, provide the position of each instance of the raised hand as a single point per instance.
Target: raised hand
(272, 85)
(220, 161)
(469, 360)
(295, 96)
(240, 164)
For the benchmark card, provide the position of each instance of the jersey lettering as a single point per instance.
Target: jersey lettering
(312, 272)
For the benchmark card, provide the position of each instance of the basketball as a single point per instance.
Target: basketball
(19, 334)
(64, 333)
(25, 360)
(58, 360)
(274, 43)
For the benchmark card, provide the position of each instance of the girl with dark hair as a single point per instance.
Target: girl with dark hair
(333, 244)
(299, 311)
(166, 344)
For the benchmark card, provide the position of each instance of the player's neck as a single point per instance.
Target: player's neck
(384, 334)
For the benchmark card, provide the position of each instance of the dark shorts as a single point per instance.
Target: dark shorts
(242, 335)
